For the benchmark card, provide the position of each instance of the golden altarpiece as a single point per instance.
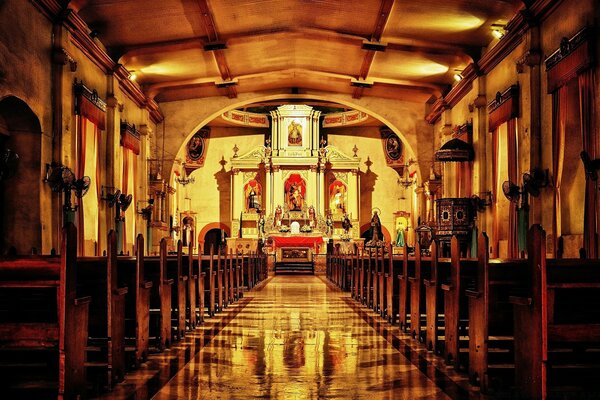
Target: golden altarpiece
(295, 189)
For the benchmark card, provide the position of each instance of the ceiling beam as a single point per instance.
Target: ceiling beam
(154, 89)
(382, 19)
(393, 44)
(212, 35)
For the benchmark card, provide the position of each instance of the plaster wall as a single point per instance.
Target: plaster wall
(25, 73)
(210, 194)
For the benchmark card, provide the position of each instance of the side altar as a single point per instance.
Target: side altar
(295, 186)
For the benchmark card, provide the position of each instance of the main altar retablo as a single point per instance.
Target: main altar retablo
(294, 186)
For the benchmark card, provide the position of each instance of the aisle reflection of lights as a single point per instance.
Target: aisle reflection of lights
(299, 339)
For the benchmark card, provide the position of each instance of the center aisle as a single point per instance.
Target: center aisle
(299, 338)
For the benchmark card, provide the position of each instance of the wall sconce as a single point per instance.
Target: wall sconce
(132, 76)
(458, 76)
(498, 31)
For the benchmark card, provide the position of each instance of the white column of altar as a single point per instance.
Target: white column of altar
(237, 199)
(269, 209)
(278, 189)
(312, 186)
(320, 207)
(353, 198)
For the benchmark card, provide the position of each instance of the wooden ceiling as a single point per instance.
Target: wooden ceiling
(181, 49)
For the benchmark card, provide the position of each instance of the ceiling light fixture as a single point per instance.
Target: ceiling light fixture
(132, 76)
(498, 31)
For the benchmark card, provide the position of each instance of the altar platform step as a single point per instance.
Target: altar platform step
(294, 268)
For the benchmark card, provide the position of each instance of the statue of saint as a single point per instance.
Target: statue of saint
(346, 224)
(312, 218)
(278, 216)
(261, 225)
(329, 223)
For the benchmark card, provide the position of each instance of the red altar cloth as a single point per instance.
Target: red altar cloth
(297, 241)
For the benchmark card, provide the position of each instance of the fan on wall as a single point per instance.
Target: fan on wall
(125, 201)
(112, 198)
(534, 181)
(512, 191)
(62, 180)
(591, 166)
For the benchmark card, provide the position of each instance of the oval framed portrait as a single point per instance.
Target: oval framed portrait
(195, 147)
(393, 147)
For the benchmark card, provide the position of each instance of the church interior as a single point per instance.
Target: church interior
(299, 199)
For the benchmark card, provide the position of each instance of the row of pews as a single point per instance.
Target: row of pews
(73, 325)
(527, 328)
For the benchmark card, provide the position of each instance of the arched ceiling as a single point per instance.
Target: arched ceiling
(405, 50)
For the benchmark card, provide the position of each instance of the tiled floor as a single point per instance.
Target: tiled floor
(296, 338)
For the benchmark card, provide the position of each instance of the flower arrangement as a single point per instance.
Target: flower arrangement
(284, 228)
(306, 229)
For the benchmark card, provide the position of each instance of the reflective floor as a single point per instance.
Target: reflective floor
(295, 338)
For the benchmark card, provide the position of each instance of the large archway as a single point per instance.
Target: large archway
(20, 133)
(387, 114)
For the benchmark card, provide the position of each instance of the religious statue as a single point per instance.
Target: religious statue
(376, 227)
(376, 233)
(295, 198)
(346, 224)
(278, 216)
(400, 236)
(261, 225)
(312, 217)
(295, 134)
(329, 224)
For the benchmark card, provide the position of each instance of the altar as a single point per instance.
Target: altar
(313, 242)
(295, 191)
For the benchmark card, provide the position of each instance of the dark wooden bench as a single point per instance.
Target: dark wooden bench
(557, 325)
(160, 298)
(434, 299)
(403, 290)
(462, 276)
(41, 312)
(418, 310)
(192, 290)
(98, 277)
(137, 303)
(178, 292)
(491, 331)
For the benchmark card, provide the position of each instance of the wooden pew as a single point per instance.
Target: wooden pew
(98, 277)
(391, 287)
(403, 292)
(219, 277)
(462, 274)
(160, 298)
(178, 292)
(434, 297)
(210, 283)
(491, 332)
(62, 331)
(137, 302)
(192, 289)
(556, 320)
(380, 261)
(422, 270)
